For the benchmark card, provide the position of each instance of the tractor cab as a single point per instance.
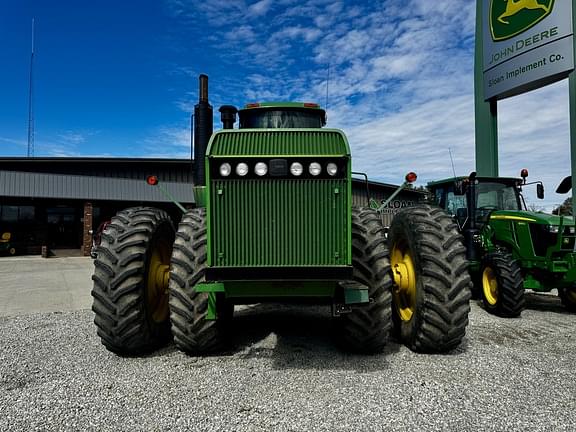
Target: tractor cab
(483, 194)
(282, 115)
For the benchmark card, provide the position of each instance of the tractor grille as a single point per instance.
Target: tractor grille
(542, 239)
(279, 222)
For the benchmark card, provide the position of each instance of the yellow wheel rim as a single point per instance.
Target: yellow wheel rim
(157, 280)
(404, 291)
(490, 286)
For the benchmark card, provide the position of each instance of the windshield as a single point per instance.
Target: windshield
(497, 196)
(280, 119)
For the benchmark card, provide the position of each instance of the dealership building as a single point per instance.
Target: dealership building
(59, 202)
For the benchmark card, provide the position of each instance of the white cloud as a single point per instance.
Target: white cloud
(401, 82)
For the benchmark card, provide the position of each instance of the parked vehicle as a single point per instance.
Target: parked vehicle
(274, 221)
(510, 249)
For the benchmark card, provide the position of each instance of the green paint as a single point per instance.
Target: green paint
(356, 296)
(486, 129)
(278, 142)
(210, 287)
(211, 314)
(280, 289)
(279, 222)
(508, 20)
(200, 195)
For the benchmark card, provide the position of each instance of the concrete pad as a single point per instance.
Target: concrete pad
(34, 284)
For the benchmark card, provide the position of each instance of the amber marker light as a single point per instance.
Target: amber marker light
(152, 180)
(411, 177)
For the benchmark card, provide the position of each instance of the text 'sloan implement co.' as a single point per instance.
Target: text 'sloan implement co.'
(531, 58)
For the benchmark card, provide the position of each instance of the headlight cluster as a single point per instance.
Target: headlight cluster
(296, 169)
(553, 229)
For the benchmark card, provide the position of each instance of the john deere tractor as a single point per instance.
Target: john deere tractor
(509, 248)
(274, 221)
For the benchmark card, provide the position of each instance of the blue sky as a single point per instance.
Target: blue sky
(120, 79)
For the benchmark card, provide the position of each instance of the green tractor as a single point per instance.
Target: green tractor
(274, 222)
(509, 248)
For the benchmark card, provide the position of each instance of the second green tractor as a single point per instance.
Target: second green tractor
(510, 249)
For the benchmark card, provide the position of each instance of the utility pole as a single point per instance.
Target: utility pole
(31, 100)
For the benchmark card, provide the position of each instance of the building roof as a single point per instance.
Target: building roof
(42, 185)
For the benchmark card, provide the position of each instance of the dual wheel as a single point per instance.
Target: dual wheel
(421, 289)
(139, 304)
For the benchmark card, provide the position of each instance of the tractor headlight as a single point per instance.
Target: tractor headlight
(261, 169)
(553, 229)
(241, 169)
(332, 169)
(296, 169)
(225, 169)
(315, 168)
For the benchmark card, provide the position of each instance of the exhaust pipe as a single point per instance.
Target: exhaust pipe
(228, 116)
(203, 127)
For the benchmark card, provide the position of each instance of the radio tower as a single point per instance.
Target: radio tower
(31, 100)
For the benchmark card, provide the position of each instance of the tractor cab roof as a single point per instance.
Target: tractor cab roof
(510, 181)
(282, 115)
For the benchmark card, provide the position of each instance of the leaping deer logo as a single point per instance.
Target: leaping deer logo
(515, 6)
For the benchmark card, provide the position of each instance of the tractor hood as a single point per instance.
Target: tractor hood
(532, 217)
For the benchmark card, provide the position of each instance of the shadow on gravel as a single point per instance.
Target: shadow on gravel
(297, 336)
(545, 303)
(539, 302)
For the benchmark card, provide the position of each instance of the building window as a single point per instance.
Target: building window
(10, 213)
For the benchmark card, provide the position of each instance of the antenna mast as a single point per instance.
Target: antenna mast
(452, 160)
(327, 83)
(31, 100)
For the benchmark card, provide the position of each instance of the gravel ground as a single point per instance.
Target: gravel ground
(284, 373)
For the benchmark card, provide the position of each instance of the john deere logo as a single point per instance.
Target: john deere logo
(509, 18)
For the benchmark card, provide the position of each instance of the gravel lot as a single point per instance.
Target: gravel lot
(284, 373)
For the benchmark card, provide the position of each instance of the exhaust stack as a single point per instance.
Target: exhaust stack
(228, 116)
(203, 127)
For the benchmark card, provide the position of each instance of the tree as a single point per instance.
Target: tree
(565, 209)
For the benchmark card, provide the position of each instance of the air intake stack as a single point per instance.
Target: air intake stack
(203, 126)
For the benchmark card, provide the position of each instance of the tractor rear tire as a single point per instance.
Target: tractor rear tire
(366, 327)
(432, 286)
(502, 285)
(131, 281)
(568, 298)
(193, 332)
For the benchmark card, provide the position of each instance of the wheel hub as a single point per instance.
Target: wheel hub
(404, 292)
(157, 285)
(490, 286)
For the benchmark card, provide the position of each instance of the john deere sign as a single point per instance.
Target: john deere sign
(527, 43)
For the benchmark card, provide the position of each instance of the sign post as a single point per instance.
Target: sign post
(572, 93)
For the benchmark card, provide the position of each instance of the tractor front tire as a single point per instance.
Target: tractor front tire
(568, 298)
(502, 285)
(130, 278)
(193, 332)
(431, 291)
(366, 327)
